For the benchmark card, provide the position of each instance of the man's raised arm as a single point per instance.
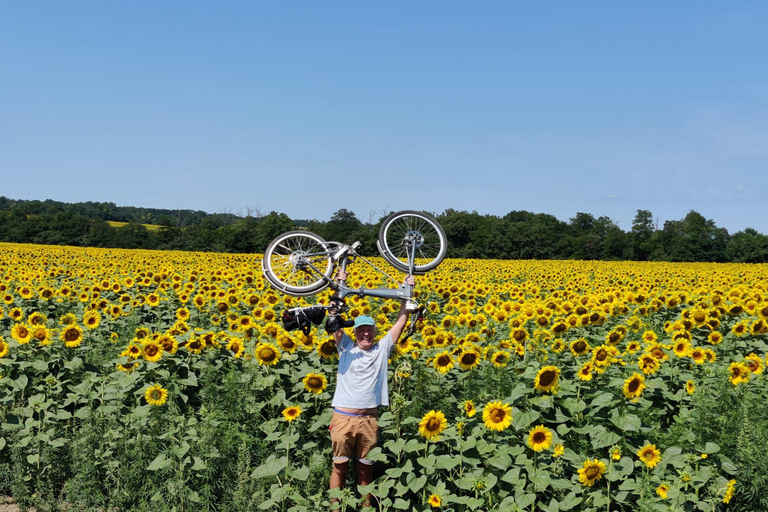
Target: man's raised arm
(402, 316)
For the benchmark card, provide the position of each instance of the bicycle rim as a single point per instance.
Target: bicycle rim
(404, 230)
(297, 263)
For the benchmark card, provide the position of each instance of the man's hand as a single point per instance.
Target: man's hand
(341, 276)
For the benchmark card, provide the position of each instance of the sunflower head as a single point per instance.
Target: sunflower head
(432, 424)
(634, 386)
(443, 362)
(156, 395)
(591, 471)
(547, 379)
(315, 383)
(497, 416)
(650, 455)
(291, 413)
(539, 438)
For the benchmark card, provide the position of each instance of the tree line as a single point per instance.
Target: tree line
(516, 235)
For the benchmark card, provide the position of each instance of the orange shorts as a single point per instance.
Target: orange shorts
(353, 435)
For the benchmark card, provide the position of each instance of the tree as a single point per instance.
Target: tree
(694, 239)
(640, 237)
(747, 246)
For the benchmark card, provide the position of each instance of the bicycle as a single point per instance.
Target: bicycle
(301, 263)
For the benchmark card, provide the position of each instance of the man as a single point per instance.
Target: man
(361, 387)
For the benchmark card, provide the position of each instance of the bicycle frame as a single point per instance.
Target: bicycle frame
(403, 292)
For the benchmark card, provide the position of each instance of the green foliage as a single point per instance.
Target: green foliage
(516, 235)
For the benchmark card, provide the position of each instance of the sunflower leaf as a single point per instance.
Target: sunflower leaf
(525, 419)
(301, 473)
(626, 422)
(416, 483)
(273, 466)
(160, 462)
(602, 438)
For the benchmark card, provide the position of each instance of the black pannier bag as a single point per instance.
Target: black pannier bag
(303, 318)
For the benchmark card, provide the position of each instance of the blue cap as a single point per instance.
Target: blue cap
(363, 320)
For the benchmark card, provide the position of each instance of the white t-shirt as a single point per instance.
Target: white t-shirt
(362, 379)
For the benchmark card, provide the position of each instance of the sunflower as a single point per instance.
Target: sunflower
(558, 450)
(579, 347)
(591, 472)
(91, 319)
(127, 367)
(468, 359)
(715, 337)
(156, 395)
(435, 501)
(443, 362)
(657, 351)
(21, 333)
(42, 334)
(315, 383)
(547, 379)
(585, 372)
(755, 364)
(235, 345)
(169, 343)
(287, 343)
(519, 334)
(327, 349)
(650, 455)
(558, 345)
(196, 344)
(497, 416)
(729, 488)
(500, 358)
(267, 354)
(634, 386)
(432, 424)
(690, 387)
(37, 318)
(71, 335)
(469, 408)
(291, 413)
(540, 438)
(681, 348)
(739, 373)
(650, 337)
(4, 347)
(616, 453)
(662, 491)
(16, 314)
(648, 364)
(133, 351)
(152, 351)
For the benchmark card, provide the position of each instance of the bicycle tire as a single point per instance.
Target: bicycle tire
(284, 263)
(432, 244)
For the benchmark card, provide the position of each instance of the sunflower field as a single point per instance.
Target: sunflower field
(142, 380)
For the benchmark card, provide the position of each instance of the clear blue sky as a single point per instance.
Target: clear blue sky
(308, 107)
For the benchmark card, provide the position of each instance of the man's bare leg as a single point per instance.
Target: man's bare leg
(365, 477)
(338, 476)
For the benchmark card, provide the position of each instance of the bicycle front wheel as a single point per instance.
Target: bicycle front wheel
(298, 263)
(410, 231)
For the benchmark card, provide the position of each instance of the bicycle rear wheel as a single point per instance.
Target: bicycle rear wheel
(403, 231)
(298, 263)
